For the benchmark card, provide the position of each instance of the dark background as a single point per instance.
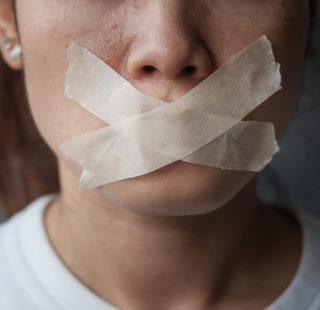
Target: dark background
(293, 177)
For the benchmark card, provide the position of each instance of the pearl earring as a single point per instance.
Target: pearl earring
(6, 43)
(15, 52)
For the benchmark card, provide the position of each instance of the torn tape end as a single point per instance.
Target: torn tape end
(82, 187)
(85, 178)
(278, 76)
(265, 39)
(72, 50)
(276, 149)
(68, 93)
(61, 149)
(66, 82)
(275, 63)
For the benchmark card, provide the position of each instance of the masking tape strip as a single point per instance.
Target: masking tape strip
(203, 127)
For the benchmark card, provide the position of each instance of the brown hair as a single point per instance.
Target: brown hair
(28, 168)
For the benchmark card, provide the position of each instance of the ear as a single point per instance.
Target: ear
(9, 40)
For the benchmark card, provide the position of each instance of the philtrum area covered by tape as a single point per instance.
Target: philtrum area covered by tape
(203, 127)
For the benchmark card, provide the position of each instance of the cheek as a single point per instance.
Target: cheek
(286, 24)
(46, 30)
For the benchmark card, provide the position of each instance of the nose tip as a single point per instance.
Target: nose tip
(182, 62)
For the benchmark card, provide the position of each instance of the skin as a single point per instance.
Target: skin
(229, 252)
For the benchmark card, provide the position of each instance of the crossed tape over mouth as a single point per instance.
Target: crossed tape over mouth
(202, 127)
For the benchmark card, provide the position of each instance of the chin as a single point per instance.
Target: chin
(178, 189)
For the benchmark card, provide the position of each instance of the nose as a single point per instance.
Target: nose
(168, 49)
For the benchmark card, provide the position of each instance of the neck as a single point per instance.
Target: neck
(130, 259)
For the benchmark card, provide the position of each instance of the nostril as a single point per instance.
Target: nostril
(149, 69)
(189, 70)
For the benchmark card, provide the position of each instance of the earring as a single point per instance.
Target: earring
(7, 44)
(15, 52)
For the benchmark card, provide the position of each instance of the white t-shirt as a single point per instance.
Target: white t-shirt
(32, 277)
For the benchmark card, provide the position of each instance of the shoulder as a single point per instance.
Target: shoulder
(303, 288)
(10, 284)
(18, 285)
(310, 226)
(307, 281)
(13, 229)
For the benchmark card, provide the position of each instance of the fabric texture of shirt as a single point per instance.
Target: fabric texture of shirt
(32, 276)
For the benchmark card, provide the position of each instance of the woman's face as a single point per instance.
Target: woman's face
(168, 35)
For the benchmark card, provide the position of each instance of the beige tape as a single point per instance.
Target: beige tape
(202, 127)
